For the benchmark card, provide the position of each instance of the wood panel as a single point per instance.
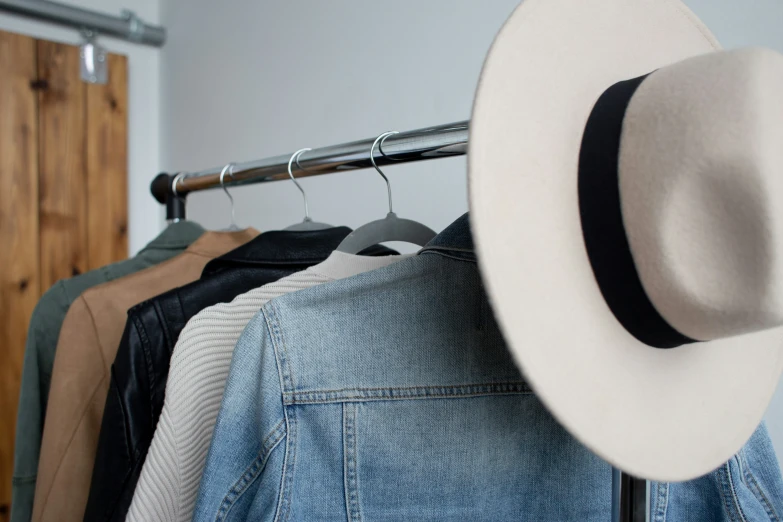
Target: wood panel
(19, 255)
(107, 166)
(62, 174)
(63, 193)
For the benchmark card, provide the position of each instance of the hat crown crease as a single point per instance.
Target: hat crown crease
(700, 174)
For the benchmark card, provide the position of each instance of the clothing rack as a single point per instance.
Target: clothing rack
(629, 494)
(417, 145)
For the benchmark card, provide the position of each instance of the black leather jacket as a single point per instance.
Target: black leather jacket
(141, 367)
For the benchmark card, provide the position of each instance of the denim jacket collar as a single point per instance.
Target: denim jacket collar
(284, 247)
(455, 241)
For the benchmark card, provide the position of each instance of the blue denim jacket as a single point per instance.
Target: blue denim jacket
(391, 396)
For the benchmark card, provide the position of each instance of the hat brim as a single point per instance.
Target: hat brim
(664, 415)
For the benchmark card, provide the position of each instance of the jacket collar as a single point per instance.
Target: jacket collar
(176, 236)
(284, 247)
(212, 243)
(456, 237)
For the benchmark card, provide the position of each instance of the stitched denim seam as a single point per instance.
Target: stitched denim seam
(446, 250)
(762, 497)
(421, 387)
(288, 468)
(733, 490)
(283, 509)
(407, 398)
(350, 459)
(346, 487)
(281, 348)
(413, 392)
(755, 488)
(734, 494)
(466, 256)
(266, 312)
(661, 501)
(741, 465)
(251, 473)
(727, 507)
(270, 329)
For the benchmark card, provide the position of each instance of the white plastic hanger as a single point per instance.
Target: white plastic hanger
(390, 228)
(307, 223)
(230, 170)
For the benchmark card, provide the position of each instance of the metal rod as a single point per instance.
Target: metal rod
(422, 144)
(129, 27)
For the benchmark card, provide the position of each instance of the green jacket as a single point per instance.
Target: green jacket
(42, 335)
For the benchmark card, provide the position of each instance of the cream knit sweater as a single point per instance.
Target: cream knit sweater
(200, 363)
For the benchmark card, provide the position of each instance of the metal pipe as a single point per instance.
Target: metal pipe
(422, 144)
(130, 27)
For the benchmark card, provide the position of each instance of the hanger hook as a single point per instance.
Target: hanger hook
(380, 139)
(230, 170)
(295, 157)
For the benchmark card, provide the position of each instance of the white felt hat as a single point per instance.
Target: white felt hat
(635, 260)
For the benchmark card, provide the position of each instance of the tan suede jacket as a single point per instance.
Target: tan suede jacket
(86, 349)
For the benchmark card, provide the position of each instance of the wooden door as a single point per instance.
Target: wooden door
(20, 277)
(63, 193)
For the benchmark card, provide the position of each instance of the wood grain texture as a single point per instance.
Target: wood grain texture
(107, 166)
(62, 174)
(19, 255)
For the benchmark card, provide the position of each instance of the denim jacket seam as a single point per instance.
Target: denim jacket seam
(338, 400)
(447, 249)
(289, 466)
(722, 485)
(350, 460)
(467, 256)
(762, 497)
(282, 510)
(405, 393)
(251, 473)
(754, 486)
(734, 494)
(734, 501)
(280, 346)
(661, 502)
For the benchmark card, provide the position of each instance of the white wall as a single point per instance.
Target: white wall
(249, 79)
(144, 219)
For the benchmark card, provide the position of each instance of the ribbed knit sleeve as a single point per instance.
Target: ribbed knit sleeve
(170, 477)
